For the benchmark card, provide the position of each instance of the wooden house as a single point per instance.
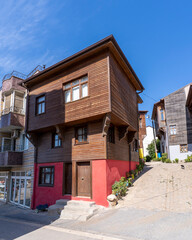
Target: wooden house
(173, 124)
(82, 117)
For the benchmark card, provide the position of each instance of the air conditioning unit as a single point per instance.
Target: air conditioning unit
(15, 134)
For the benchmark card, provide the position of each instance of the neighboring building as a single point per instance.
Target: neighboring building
(83, 121)
(142, 131)
(149, 137)
(173, 124)
(16, 152)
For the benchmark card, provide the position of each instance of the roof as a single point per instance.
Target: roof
(189, 97)
(108, 42)
(143, 111)
(155, 108)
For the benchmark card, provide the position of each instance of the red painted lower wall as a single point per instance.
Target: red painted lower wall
(104, 174)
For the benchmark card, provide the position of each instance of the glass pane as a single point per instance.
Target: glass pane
(80, 131)
(85, 90)
(47, 178)
(42, 178)
(5, 188)
(85, 138)
(22, 191)
(28, 192)
(80, 138)
(76, 82)
(41, 99)
(39, 109)
(2, 187)
(17, 191)
(84, 79)
(75, 93)
(68, 85)
(12, 188)
(67, 96)
(42, 107)
(48, 169)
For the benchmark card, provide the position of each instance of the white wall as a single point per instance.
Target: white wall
(147, 140)
(174, 152)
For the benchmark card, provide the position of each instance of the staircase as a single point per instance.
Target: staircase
(74, 210)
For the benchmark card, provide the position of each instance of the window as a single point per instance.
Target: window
(40, 105)
(81, 135)
(140, 122)
(183, 148)
(173, 130)
(162, 114)
(56, 141)
(24, 142)
(76, 89)
(111, 134)
(135, 145)
(46, 176)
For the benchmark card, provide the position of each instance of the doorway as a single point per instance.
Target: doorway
(83, 179)
(67, 185)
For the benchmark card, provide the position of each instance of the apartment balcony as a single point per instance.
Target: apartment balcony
(12, 118)
(10, 158)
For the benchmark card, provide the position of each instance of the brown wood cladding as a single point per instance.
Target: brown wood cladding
(69, 151)
(142, 128)
(123, 95)
(56, 111)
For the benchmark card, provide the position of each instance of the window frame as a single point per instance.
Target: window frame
(183, 145)
(80, 84)
(40, 176)
(76, 135)
(53, 141)
(172, 128)
(162, 114)
(37, 104)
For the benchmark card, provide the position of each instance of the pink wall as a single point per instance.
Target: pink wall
(104, 174)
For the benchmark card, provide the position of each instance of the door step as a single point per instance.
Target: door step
(57, 207)
(79, 210)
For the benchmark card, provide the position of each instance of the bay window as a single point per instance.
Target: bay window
(76, 89)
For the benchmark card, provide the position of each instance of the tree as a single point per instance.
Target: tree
(151, 148)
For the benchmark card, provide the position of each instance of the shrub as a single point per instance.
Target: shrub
(168, 160)
(176, 160)
(164, 157)
(188, 159)
(148, 158)
(156, 159)
(119, 188)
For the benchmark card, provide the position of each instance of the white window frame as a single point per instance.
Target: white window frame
(174, 130)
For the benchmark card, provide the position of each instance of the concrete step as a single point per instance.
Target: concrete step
(62, 202)
(80, 203)
(79, 210)
(58, 207)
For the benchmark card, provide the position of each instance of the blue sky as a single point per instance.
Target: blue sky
(156, 37)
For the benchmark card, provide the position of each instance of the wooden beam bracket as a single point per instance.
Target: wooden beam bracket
(33, 138)
(123, 131)
(60, 132)
(106, 124)
(130, 136)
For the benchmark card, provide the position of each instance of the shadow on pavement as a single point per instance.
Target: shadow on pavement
(16, 222)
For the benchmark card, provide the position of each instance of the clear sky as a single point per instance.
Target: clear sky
(156, 37)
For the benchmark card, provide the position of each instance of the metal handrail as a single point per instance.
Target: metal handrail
(8, 148)
(37, 69)
(15, 74)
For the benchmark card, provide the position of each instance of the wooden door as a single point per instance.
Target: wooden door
(68, 178)
(83, 179)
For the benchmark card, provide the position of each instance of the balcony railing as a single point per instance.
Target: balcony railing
(14, 74)
(9, 148)
(13, 109)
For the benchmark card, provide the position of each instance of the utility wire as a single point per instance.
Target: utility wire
(150, 97)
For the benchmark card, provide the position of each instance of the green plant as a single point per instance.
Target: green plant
(151, 148)
(148, 158)
(119, 188)
(188, 159)
(129, 180)
(156, 159)
(168, 160)
(176, 160)
(164, 157)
